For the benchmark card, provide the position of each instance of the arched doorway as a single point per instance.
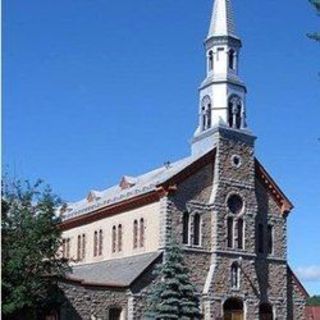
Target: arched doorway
(265, 311)
(233, 309)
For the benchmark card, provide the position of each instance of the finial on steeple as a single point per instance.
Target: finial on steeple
(222, 20)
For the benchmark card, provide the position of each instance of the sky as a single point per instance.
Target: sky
(97, 89)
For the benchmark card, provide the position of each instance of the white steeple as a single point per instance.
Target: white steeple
(222, 93)
(222, 20)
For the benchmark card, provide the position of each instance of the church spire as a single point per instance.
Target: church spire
(222, 20)
(222, 93)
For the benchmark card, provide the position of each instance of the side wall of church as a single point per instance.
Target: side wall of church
(150, 214)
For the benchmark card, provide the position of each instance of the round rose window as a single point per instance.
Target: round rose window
(235, 204)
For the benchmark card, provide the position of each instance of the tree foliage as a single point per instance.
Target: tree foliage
(315, 35)
(30, 241)
(314, 301)
(173, 296)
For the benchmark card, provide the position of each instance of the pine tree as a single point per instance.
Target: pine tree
(315, 35)
(30, 241)
(173, 296)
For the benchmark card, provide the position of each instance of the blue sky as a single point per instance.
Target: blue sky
(95, 89)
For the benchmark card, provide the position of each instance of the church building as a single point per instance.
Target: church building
(219, 203)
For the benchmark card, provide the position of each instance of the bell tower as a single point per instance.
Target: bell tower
(222, 94)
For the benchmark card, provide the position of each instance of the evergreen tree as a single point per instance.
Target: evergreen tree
(314, 301)
(315, 35)
(30, 241)
(173, 296)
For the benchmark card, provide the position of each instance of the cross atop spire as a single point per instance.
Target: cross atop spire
(222, 20)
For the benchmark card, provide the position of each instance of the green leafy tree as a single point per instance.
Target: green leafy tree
(314, 301)
(315, 35)
(173, 296)
(30, 241)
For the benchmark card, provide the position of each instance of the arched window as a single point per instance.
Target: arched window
(95, 244)
(230, 232)
(210, 60)
(135, 234)
(240, 233)
(265, 312)
(235, 112)
(196, 229)
(141, 233)
(68, 248)
(206, 113)
(114, 314)
(260, 238)
(83, 246)
(270, 239)
(63, 248)
(79, 248)
(100, 242)
(120, 237)
(235, 276)
(231, 56)
(114, 239)
(185, 225)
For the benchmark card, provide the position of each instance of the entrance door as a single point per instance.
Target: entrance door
(114, 314)
(233, 309)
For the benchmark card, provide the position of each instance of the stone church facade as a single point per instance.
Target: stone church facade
(220, 203)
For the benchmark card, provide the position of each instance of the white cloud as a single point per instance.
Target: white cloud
(311, 273)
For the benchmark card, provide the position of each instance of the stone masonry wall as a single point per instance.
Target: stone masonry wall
(81, 303)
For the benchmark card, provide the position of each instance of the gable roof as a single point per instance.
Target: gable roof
(113, 273)
(144, 184)
(149, 187)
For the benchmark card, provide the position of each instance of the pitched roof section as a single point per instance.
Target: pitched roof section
(144, 184)
(280, 198)
(222, 20)
(113, 273)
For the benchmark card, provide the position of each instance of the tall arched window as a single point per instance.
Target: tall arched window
(231, 56)
(120, 237)
(185, 226)
(68, 248)
(83, 246)
(79, 248)
(142, 233)
(95, 244)
(235, 112)
(240, 233)
(206, 113)
(235, 276)
(210, 60)
(63, 248)
(196, 229)
(270, 239)
(114, 239)
(100, 242)
(230, 232)
(135, 234)
(260, 238)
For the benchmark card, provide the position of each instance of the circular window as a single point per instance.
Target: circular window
(236, 161)
(235, 204)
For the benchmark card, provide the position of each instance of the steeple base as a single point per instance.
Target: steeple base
(207, 140)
